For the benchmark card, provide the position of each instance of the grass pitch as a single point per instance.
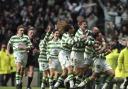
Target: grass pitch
(23, 88)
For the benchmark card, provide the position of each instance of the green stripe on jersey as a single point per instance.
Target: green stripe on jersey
(43, 48)
(79, 46)
(15, 41)
(66, 42)
(53, 48)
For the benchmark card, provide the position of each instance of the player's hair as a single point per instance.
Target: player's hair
(80, 21)
(20, 26)
(61, 25)
(31, 28)
(67, 28)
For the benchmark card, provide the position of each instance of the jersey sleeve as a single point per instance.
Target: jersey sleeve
(29, 44)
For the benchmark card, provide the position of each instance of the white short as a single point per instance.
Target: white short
(21, 57)
(43, 66)
(77, 59)
(88, 59)
(64, 58)
(54, 63)
(101, 65)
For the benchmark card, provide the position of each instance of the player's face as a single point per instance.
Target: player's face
(95, 30)
(83, 26)
(31, 33)
(57, 34)
(123, 42)
(21, 31)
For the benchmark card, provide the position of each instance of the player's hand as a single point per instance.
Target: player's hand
(83, 37)
(22, 46)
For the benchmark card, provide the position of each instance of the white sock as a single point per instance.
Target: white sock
(18, 81)
(71, 83)
(42, 85)
(57, 84)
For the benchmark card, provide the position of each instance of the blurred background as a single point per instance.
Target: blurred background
(111, 16)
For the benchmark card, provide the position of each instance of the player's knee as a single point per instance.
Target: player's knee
(64, 73)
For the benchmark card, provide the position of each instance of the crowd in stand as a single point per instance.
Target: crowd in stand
(110, 15)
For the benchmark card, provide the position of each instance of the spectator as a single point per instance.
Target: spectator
(12, 73)
(92, 20)
(13, 68)
(125, 16)
(123, 65)
(38, 13)
(5, 66)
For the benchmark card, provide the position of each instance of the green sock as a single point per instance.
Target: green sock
(43, 79)
(18, 78)
(87, 80)
(50, 81)
(71, 82)
(70, 76)
(78, 80)
(59, 81)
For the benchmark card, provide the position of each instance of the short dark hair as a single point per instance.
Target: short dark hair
(81, 21)
(31, 28)
(20, 26)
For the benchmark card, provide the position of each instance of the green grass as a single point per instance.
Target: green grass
(23, 88)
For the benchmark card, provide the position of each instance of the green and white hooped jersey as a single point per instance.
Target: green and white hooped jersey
(43, 55)
(102, 55)
(43, 48)
(80, 45)
(53, 48)
(89, 48)
(15, 41)
(67, 42)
